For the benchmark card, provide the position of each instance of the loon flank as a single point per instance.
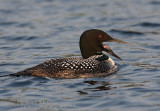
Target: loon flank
(93, 62)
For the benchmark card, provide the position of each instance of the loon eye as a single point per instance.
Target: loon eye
(100, 36)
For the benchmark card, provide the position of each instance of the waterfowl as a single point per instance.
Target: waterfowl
(93, 63)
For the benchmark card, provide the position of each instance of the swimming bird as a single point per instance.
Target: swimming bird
(93, 63)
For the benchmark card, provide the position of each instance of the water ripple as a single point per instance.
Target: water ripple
(149, 24)
(32, 31)
(155, 47)
(155, 2)
(18, 38)
(128, 33)
(7, 23)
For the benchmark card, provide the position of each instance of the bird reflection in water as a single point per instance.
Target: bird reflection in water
(95, 86)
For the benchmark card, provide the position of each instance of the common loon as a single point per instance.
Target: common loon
(93, 62)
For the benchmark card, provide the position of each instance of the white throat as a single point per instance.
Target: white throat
(110, 61)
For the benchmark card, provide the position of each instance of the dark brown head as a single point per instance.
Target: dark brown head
(91, 43)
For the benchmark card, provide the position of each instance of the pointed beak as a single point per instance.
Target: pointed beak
(117, 41)
(109, 50)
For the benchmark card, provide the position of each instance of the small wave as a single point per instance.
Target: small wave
(20, 83)
(123, 32)
(155, 47)
(148, 24)
(24, 38)
(155, 2)
(6, 11)
(11, 64)
(24, 25)
(7, 23)
(38, 48)
(18, 38)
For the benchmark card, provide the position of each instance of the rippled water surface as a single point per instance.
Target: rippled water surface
(32, 31)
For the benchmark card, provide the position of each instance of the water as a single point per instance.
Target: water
(32, 31)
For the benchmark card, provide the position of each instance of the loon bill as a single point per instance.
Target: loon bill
(93, 62)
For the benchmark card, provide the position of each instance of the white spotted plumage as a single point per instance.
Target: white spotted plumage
(79, 65)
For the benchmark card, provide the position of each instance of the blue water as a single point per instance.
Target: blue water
(32, 31)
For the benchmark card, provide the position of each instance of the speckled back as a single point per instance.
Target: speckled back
(71, 67)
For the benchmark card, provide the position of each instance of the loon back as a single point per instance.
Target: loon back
(71, 67)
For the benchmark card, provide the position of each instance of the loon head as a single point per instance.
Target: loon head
(91, 43)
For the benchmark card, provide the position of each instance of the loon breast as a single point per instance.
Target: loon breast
(110, 62)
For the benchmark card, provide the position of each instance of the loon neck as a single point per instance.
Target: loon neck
(106, 59)
(103, 57)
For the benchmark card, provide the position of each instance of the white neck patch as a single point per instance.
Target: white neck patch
(110, 61)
